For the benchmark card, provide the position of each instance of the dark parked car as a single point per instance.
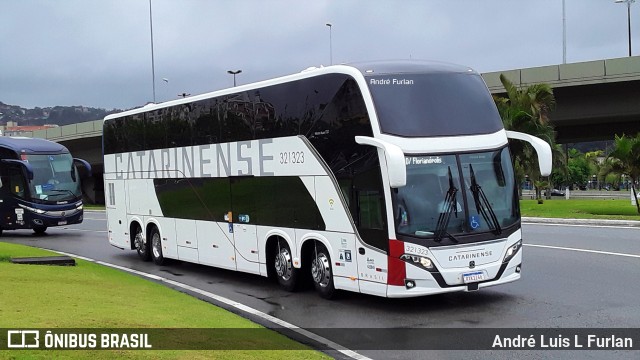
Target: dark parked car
(556, 192)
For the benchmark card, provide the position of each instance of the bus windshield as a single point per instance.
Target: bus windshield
(55, 179)
(433, 104)
(475, 191)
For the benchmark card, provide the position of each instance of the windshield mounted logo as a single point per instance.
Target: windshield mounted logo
(391, 81)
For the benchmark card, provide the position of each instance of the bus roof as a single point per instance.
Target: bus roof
(408, 67)
(368, 68)
(31, 145)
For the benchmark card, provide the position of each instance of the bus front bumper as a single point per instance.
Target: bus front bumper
(506, 273)
(51, 221)
(26, 217)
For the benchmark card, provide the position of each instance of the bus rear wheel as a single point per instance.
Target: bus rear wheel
(39, 230)
(141, 244)
(286, 274)
(156, 246)
(321, 272)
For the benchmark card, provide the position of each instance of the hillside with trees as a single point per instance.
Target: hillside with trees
(58, 115)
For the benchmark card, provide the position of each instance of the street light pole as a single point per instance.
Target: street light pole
(628, 2)
(330, 45)
(234, 73)
(629, 23)
(153, 70)
(564, 34)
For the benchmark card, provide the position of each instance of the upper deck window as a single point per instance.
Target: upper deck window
(433, 104)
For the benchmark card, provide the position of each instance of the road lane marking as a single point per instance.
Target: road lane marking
(244, 308)
(584, 250)
(84, 230)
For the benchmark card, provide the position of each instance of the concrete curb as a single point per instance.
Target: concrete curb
(597, 222)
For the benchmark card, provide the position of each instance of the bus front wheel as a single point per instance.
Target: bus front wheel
(39, 230)
(156, 246)
(321, 272)
(283, 265)
(141, 244)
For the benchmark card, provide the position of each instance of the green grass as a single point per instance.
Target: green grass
(93, 207)
(93, 296)
(581, 209)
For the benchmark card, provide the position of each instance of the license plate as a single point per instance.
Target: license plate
(62, 223)
(473, 277)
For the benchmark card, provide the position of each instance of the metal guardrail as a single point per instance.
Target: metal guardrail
(582, 73)
(588, 194)
(69, 132)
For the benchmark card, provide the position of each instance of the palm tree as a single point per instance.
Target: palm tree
(625, 159)
(527, 110)
(594, 163)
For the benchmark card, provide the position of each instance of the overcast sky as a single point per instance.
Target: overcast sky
(98, 52)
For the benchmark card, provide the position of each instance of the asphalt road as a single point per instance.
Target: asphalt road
(573, 277)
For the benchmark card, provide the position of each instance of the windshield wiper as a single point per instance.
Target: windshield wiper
(450, 205)
(483, 207)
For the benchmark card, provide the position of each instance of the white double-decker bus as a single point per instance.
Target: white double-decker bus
(386, 178)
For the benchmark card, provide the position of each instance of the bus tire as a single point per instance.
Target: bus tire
(286, 274)
(39, 230)
(141, 243)
(321, 272)
(156, 246)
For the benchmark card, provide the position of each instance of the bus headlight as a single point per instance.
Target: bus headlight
(423, 262)
(512, 250)
(37, 211)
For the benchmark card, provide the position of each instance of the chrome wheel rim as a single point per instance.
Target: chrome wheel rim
(140, 240)
(321, 270)
(155, 242)
(283, 264)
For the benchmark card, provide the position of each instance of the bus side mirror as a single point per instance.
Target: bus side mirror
(25, 165)
(84, 163)
(396, 166)
(542, 149)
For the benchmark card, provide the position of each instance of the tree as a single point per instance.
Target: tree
(574, 170)
(594, 164)
(527, 110)
(577, 168)
(625, 159)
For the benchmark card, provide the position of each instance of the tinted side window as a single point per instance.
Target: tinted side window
(156, 129)
(273, 201)
(328, 110)
(209, 126)
(114, 136)
(179, 125)
(194, 198)
(134, 132)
